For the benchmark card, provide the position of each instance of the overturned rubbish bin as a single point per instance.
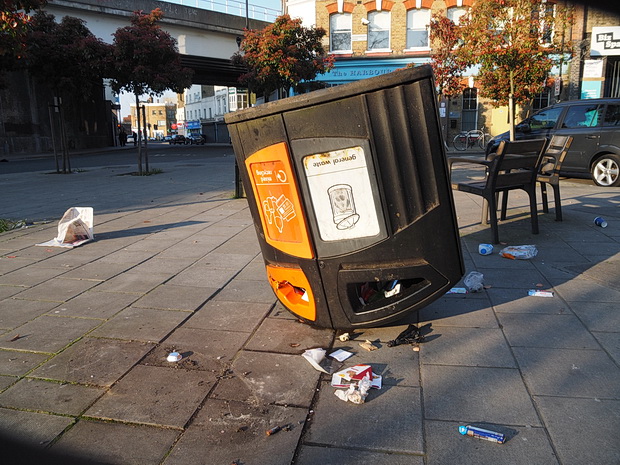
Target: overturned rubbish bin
(351, 200)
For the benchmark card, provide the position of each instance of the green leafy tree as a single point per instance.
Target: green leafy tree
(281, 56)
(66, 58)
(15, 22)
(513, 43)
(145, 60)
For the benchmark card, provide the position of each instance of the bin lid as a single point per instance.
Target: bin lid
(395, 78)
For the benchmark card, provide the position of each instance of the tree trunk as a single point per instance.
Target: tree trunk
(511, 106)
(139, 136)
(146, 138)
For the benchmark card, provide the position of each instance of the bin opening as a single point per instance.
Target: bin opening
(292, 289)
(370, 295)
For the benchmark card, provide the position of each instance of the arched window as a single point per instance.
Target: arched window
(469, 118)
(340, 32)
(454, 14)
(379, 30)
(418, 23)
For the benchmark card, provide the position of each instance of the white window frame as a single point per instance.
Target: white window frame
(455, 14)
(378, 22)
(344, 19)
(418, 28)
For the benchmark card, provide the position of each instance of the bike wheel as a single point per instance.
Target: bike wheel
(482, 142)
(460, 142)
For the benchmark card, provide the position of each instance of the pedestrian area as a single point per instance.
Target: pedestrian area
(85, 335)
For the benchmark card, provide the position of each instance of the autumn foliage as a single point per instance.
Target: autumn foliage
(281, 56)
(448, 67)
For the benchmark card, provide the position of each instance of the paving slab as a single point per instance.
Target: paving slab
(482, 347)
(390, 420)
(518, 301)
(154, 395)
(247, 291)
(50, 397)
(6, 381)
(48, 333)
(552, 331)
(610, 342)
(97, 271)
(459, 311)
(311, 455)
(35, 429)
(18, 363)
(229, 316)
(598, 316)
(272, 378)
(582, 289)
(141, 324)
(289, 337)
(56, 290)
(468, 394)
(93, 361)
(174, 297)
(115, 443)
(29, 276)
(16, 312)
(226, 432)
(92, 304)
(569, 372)
(583, 430)
(523, 446)
(203, 276)
(202, 349)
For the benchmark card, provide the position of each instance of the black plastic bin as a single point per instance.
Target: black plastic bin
(351, 199)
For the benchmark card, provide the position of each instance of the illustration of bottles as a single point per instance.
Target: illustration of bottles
(343, 206)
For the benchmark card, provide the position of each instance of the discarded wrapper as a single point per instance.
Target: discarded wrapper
(75, 228)
(356, 393)
(457, 290)
(174, 357)
(519, 252)
(368, 345)
(344, 337)
(474, 281)
(351, 375)
(340, 355)
(537, 293)
(315, 357)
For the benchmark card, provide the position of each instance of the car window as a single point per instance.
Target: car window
(582, 116)
(545, 119)
(612, 116)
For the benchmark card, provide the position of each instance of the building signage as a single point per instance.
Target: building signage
(593, 68)
(605, 41)
(354, 70)
(192, 124)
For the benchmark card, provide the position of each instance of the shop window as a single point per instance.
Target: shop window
(340, 32)
(418, 23)
(379, 30)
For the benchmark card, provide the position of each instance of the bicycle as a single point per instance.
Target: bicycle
(468, 139)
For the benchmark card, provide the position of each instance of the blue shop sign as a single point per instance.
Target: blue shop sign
(192, 125)
(354, 70)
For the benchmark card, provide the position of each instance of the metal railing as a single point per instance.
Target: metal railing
(233, 7)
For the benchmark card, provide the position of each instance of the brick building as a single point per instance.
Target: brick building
(374, 37)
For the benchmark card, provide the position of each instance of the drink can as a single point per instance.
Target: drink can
(480, 433)
(600, 222)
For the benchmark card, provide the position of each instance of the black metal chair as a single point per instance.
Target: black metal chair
(549, 172)
(514, 166)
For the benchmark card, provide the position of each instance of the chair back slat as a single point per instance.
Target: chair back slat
(515, 163)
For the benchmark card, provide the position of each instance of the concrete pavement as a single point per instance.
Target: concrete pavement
(84, 335)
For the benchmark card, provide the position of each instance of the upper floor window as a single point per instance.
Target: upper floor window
(340, 32)
(418, 23)
(541, 100)
(379, 30)
(454, 14)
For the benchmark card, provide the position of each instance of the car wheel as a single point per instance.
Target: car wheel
(606, 170)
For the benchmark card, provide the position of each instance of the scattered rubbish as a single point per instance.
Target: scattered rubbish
(15, 338)
(368, 345)
(474, 281)
(480, 433)
(273, 430)
(74, 229)
(538, 293)
(519, 252)
(294, 344)
(315, 357)
(485, 249)
(457, 290)
(411, 335)
(344, 337)
(600, 222)
(356, 393)
(345, 378)
(174, 357)
(391, 288)
(340, 355)
(416, 348)
(374, 291)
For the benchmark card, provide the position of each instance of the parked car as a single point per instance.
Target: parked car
(196, 139)
(177, 139)
(595, 127)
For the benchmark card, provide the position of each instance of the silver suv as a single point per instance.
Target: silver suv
(595, 127)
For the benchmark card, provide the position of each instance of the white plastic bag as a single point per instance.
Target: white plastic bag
(474, 281)
(519, 252)
(75, 228)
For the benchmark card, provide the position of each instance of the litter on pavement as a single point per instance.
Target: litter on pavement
(74, 229)
(519, 252)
